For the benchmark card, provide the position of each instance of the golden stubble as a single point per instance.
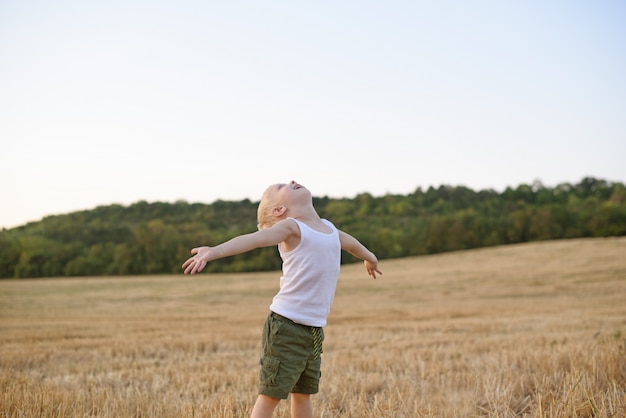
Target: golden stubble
(536, 330)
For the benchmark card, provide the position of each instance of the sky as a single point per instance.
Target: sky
(121, 101)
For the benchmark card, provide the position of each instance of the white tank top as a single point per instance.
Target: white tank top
(310, 274)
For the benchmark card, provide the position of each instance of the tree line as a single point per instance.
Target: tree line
(155, 238)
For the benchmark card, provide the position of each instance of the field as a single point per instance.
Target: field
(535, 330)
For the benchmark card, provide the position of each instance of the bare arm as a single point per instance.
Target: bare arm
(354, 247)
(240, 244)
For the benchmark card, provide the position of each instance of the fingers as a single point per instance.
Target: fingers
(193, 265)
(373, 270)
(199, 266)
(188, 266)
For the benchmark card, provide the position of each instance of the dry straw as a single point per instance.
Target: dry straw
(532, 330)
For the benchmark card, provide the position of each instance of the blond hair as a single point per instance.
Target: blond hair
(264, 215)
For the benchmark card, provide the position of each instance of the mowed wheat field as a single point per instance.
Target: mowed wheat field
(536, 330)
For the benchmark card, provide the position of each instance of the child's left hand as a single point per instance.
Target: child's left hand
(372, 268)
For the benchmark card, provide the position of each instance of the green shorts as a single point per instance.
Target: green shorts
(291, 358)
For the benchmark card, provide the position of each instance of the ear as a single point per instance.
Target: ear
(278, 211)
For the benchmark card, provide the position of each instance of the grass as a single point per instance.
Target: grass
(531, 330)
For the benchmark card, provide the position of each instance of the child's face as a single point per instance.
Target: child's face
(280, 198)
(287, 194)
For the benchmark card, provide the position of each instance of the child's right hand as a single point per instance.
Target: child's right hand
(196, 263)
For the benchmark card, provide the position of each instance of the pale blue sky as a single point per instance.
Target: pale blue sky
(121, 101)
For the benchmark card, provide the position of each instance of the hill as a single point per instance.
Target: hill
(155, 238)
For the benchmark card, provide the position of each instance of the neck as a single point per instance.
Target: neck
(308, 214)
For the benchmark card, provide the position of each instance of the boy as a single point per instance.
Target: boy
(310, 248)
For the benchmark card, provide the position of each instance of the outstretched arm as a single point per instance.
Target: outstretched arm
(354, 247)
(240, 244)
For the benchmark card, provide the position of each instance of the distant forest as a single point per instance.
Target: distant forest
(155, 238)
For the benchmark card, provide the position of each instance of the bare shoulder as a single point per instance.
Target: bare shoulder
(342, 234)
(347, 241)
(287, 225)
(291, 232)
